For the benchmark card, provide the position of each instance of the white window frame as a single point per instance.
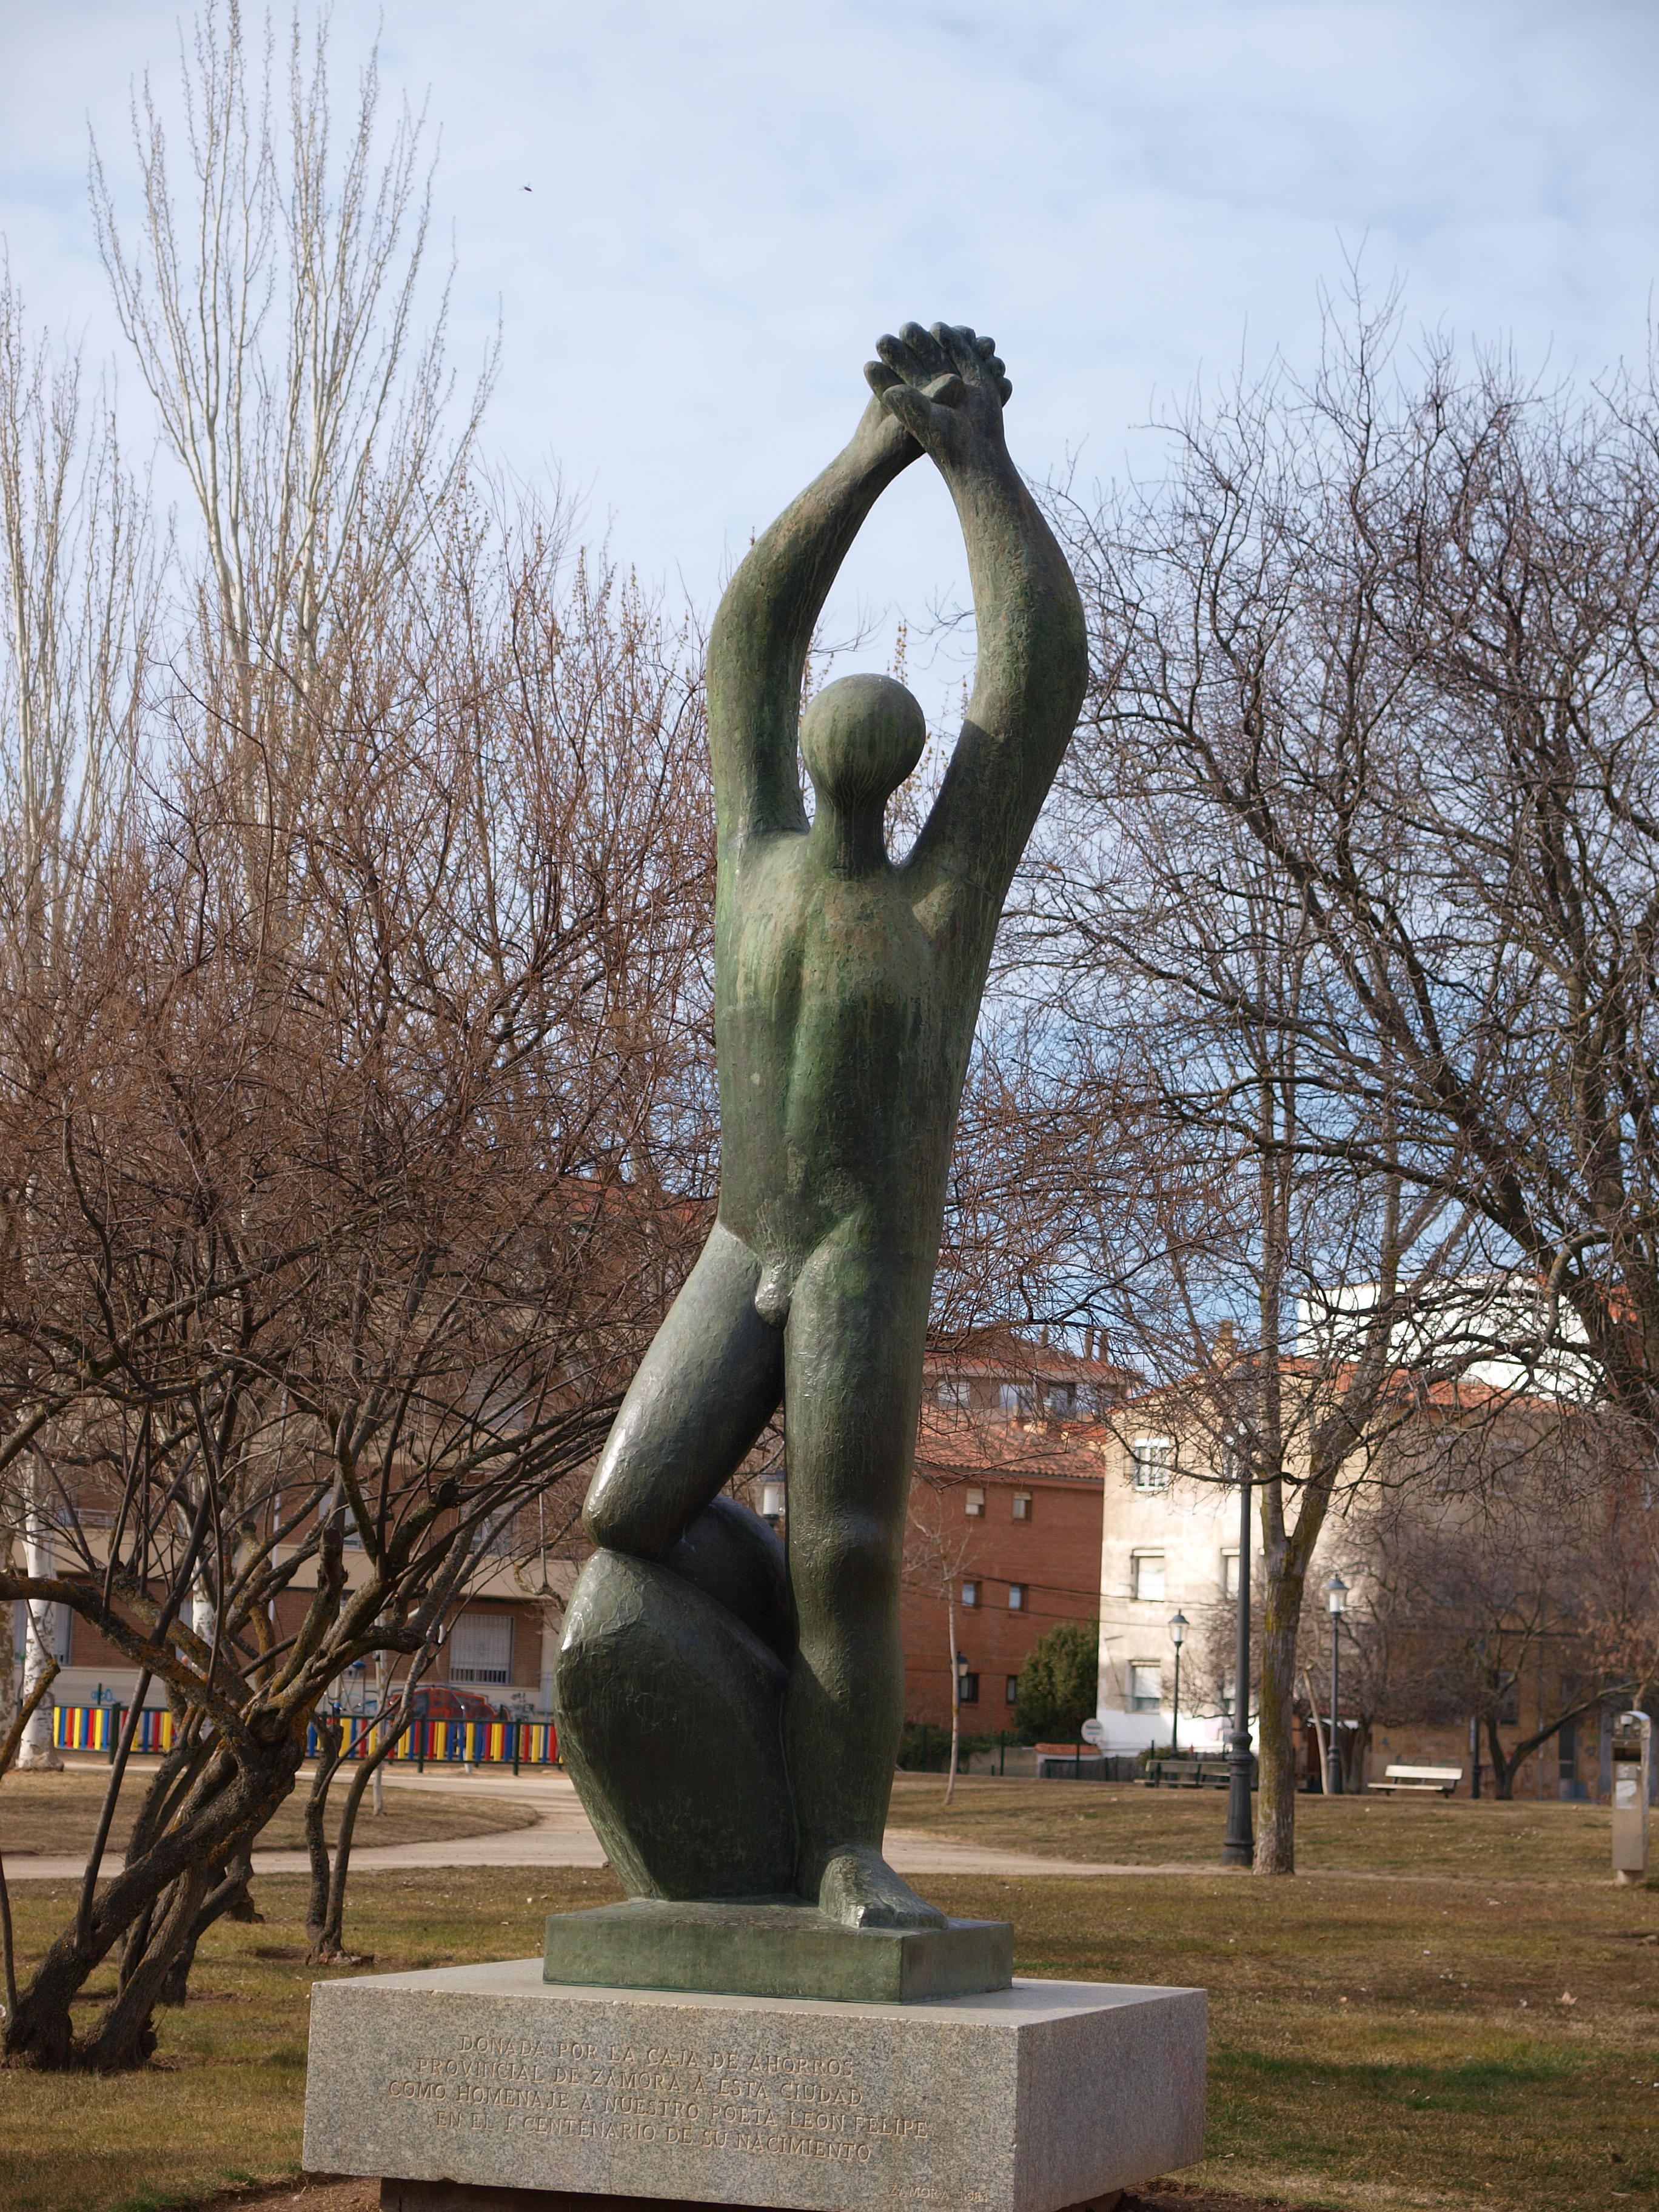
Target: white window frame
(1022, 1506)
(1153, 1461)
(972, 1502)
(1017, 1597)
(483, 1642)
(1229, 1574)
(969, 1594)
(1140, 1699)
(1137, 1560)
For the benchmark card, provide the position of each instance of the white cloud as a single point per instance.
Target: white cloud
(728, 204)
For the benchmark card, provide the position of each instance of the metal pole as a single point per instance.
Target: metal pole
(1238, 1847)
(1333, 1755)
(1175, 1716)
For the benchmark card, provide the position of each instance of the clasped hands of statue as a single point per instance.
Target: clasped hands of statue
(942, 389)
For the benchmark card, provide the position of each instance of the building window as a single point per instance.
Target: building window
(1227, 1696)
(772, 1495)
(1153, 1458)
(1011, 1691)
(970, 1593)
(972, 1502)
(1146, 1576)
(1062, 1398)
(954, 1392)
(481, 1648)
(1022, 1505)
(1016, 1597)
(1229, 1574)
(497, 1538)
(1567, 1750)
(967, 1689)
(1018, 1398)
(1146, 1686)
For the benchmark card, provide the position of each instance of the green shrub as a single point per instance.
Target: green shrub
(1059, 1683)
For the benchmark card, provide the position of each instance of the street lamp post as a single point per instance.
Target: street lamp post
(1238, 1846)
(1336, 1597)
(1178, 1625)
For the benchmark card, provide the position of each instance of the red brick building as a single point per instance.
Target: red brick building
(1006, 1513)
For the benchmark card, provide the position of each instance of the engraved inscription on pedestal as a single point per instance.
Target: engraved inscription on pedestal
(751, 2102)
(1022, 2100)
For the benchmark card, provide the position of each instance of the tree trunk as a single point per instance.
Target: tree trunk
(124, 2037)
(8, 1658)
(1275, 1827)
(956, 1688)
(229, 1899)
(330, 1741)
(39, 1639)
(150, 1908)
(1505, 1768)
(328, 1941)
(1318, 1728)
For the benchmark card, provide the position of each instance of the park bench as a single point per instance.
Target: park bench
(1187, 1774)
(1445, 1779)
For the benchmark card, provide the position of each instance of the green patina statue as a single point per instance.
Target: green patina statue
(731, 1713)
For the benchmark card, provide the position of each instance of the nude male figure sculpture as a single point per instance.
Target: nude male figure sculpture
(731, 1714)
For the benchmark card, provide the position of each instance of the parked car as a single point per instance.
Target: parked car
(441, 1703)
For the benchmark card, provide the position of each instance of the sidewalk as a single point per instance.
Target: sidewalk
(563, 1836)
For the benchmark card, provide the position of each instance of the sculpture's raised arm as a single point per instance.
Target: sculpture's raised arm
(947, 388)
(757, 651)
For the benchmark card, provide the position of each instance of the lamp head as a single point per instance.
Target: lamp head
(1336, 1594)
(1178, 1627)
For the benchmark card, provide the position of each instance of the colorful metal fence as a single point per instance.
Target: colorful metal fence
(97, 1727)
(476, 1743)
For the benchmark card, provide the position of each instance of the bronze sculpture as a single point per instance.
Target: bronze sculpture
(731, 1714)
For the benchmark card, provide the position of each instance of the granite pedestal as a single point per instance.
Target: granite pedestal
(1030, 2099)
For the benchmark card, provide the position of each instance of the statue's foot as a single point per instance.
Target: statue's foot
(859, 1888)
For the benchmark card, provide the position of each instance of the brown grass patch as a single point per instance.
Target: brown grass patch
(53, 1816)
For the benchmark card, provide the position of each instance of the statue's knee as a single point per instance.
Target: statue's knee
(624, 1515)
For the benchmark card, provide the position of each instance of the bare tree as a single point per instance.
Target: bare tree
(347, 1228)
(1392, 632)
(1490, 1590)
(274, 317)
(939, 1551)
(1356, 858)
(79, 576)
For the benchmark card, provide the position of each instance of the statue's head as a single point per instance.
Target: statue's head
(861, 737)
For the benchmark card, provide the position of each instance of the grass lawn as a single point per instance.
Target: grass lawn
(1425, 2042)
(58, 1813)
(1120, 1824)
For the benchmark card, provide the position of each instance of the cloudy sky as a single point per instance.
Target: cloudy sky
(729, 202)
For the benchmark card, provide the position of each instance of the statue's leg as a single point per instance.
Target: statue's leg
(672, 1662)
(669, 1710)
(704, 1391)
(853, 1379)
